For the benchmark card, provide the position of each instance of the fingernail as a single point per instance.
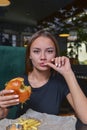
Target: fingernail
(59, 65)
(17, 100)
(17, 103)
(52, 60)
(16, 95)
(11, 91)
(56, 65)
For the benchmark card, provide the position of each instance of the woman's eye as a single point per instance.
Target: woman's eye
(36, 51)
(50, 51)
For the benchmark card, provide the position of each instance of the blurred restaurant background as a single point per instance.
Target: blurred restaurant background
(65, 19)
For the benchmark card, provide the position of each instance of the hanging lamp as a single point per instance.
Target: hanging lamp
(4, 3)
(64, 35)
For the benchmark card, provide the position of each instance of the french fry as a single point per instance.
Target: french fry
(29, 124)
(34, 127)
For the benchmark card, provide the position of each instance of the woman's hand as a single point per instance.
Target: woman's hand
(76, 97)
(8, 100)
(60, 64)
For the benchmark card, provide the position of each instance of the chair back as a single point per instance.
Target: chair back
(12, 63)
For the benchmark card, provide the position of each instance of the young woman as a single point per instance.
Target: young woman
(51, 79)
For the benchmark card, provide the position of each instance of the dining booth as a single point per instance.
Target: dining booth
(12, 64)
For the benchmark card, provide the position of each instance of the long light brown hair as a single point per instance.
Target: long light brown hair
(29, 66)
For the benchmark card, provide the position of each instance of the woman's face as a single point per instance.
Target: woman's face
(42, 51)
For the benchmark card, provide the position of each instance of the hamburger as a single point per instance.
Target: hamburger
(17, 84)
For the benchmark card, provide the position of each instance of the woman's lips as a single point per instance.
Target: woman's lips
(42, 65)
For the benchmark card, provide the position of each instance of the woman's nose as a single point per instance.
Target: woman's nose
(43, 56)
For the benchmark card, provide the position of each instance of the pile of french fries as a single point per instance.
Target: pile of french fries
(29, 124)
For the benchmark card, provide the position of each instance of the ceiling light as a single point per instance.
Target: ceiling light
(4, 3)
(64, 35)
